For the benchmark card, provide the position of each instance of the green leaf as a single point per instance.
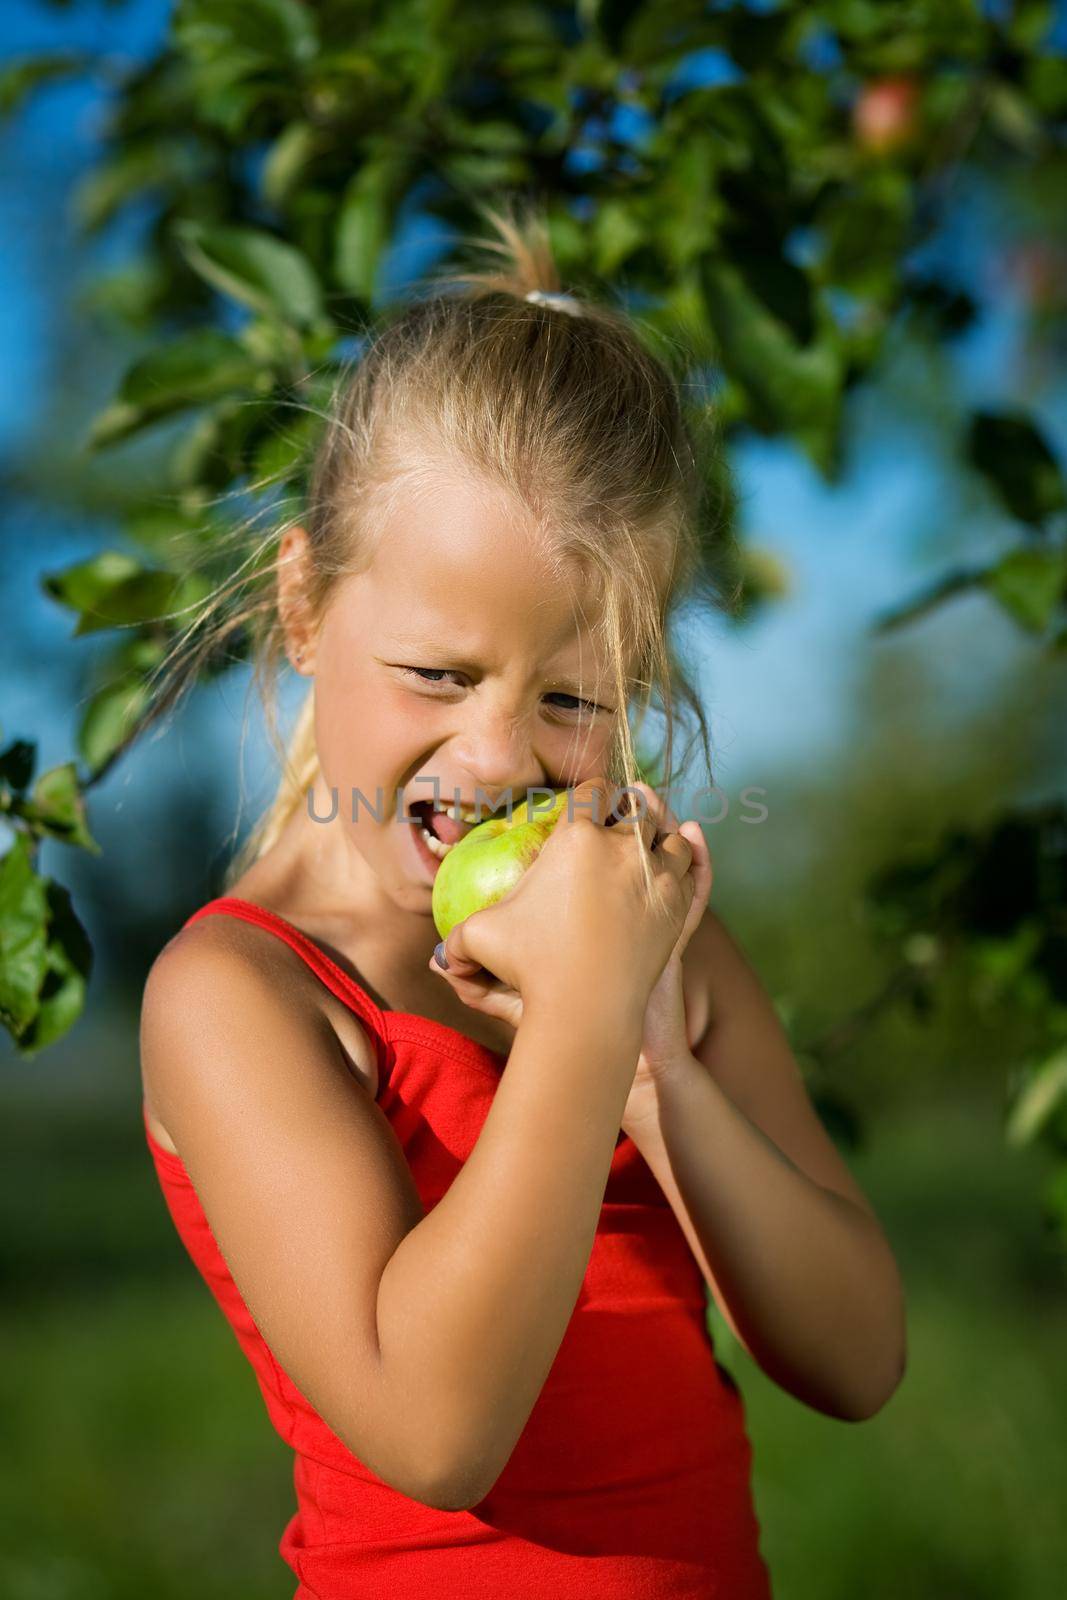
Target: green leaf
(1044, 1091)
(364, 222)
(149, 596)
(192, 370)
(782, 286)
(287, 449)
(129, 295)
(19, 78)
(617, 233)
(261, 32)
(958, 581)
(253, 267)
(200, 366)
(1010, 450)
(787, 388)
(114, 589)
(110, 719)
(764, 576)
(865, 227)
(83, 586)
(23, 935)
(1029, 584)
(17, 762)
(212, 453)
(1008, 112)
(689, 208)
(610, 18)
(57, 805)
(1054, 1201)
(161, 526)
(69, 962)
(287, 159)
(1030, 21)
(149, 164)
(143, 597)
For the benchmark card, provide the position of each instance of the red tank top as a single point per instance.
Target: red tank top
(631, 1478)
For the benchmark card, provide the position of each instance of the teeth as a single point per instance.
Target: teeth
(435, 845)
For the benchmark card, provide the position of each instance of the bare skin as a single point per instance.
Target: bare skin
(723, 1122)
(500, 711)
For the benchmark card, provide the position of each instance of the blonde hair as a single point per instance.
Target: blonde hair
(577, 417)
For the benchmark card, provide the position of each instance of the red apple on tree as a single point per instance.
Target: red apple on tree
(884, 113)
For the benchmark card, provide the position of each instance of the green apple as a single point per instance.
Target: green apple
(489, 861)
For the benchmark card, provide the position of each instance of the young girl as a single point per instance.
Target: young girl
(460, 1206)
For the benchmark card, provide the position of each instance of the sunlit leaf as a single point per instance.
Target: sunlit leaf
(23, 935)
(58, 806)
(1028, 584)
(68, 965)
(253, 267)
(109, 720)
(1044, 1093)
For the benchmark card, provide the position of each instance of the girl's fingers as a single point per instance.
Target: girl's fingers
(702, 871)
(482, 992)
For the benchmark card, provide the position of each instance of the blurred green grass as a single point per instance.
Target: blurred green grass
(140, 1459)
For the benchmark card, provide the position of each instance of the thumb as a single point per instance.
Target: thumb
(452, 956)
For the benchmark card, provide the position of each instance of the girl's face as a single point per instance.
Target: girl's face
(454, 658)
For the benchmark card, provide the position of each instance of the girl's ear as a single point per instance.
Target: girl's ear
(294, 557)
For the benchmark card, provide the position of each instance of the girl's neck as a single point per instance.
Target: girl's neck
(315, 878)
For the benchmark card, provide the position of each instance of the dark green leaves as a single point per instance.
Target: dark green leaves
(113, 589)
(23, 936)
(786, 387)
(196, 368)
(1029, 583)
(1011, 453)
(365, 223)
(17, 763)
(257, 33)
(45, 955)
(54, 808)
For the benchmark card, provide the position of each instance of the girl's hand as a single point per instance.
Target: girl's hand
(577, 922)
(482, 992)
(667, 1038)
(665, 1032)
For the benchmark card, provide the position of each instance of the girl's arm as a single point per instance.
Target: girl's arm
(423, 1341)
(785, 1237)
(474, 1303)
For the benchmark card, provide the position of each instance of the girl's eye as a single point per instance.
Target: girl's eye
(434, 674)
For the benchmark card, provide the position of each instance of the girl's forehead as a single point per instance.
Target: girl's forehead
(461, 562)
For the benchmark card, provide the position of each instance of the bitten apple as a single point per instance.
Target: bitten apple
(491, 859)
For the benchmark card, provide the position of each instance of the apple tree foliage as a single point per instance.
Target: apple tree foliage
(763, 217)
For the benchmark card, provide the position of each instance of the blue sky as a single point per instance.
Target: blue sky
(780, 693)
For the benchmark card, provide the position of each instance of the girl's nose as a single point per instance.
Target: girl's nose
(496, 752)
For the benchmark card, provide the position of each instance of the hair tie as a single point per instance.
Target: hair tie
(557, 302)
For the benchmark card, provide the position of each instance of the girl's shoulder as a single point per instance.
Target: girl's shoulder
(198, 956)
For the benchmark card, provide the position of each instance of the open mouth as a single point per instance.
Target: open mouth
(441, 830)
(428, 821)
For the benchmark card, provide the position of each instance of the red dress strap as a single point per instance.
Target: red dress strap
(334, 977)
